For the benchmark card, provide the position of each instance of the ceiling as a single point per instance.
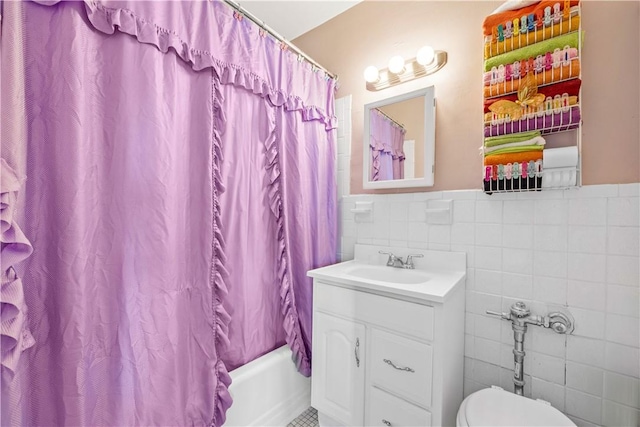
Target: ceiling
(295, 17)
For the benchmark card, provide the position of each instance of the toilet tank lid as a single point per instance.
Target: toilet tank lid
(497, 407)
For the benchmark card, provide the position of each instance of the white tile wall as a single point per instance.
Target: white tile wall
(347, 227)
(623, 211)
(585, 239)
(622, 270)
(575, 250)
(550, 290)
(621, 389)
(623, 300)
(552, 393)
(588, 295)
(545, 367)
(585, 378)
(621, 359)
(583, 405)
(542, 342)
(615, 414)
(585, 350)
(589, 323)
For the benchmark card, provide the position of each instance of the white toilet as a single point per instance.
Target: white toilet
(497, 407)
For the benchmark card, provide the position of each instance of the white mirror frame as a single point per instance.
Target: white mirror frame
(429, 142)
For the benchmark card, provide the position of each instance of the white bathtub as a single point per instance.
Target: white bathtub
(268, 391)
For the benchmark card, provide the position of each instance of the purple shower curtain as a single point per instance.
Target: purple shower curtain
(171, 239)
(249, 228)
(386, 148)
(307, 182)
(118, 207)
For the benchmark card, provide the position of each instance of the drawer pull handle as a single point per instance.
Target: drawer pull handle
(387, 423)
(389, 362)
(357, 352)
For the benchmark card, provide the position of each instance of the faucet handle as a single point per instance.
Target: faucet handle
(392, 257)
(410, 257)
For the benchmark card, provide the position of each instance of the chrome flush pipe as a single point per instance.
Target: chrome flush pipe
(520, 316)
(518, 356)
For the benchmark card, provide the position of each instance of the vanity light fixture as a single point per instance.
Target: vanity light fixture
(425, 55)
(371, 74)
(396, 64)
(427, 61)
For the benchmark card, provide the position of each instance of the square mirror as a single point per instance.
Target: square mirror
(399, 141)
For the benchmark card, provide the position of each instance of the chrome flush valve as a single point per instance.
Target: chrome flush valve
(519, 309)
(520, 316)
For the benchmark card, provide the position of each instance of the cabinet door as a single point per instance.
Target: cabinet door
(337, 380)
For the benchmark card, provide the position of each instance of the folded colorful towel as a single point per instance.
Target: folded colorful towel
(493, 141)
(505, 73)
(531, 51)
(494, 47)
(492, 21)
(564, 120)
(570, 87)
(503, 159)
(552, 76)
(573, 100)
(522, 146)
(515, 149)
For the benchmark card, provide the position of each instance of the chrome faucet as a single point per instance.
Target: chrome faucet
(396, 262)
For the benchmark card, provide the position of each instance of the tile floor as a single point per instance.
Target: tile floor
(309, 418)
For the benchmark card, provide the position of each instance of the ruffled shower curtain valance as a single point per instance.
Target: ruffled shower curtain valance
(239, 52)
(386, 147)
(180, 182)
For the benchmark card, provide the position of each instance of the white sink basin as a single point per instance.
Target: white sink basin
(388, 274)
(434, 278)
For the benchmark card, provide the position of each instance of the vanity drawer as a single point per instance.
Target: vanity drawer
(403, 316)
(401, 366)
(386, 410)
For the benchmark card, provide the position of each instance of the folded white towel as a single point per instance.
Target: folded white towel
(564, 157)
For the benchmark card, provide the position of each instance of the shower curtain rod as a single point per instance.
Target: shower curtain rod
(389, 117)
(271, 31)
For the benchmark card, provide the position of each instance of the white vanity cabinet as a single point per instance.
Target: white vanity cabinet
(382, 358)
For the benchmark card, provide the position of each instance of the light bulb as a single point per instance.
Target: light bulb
(425, 55)
(396, 64)
(371, 74)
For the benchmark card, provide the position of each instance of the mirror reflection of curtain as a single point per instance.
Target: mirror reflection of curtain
(386, 141)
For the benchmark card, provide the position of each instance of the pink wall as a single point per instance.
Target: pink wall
(373, 31)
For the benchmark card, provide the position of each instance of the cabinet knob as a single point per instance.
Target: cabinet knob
(385, 422)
